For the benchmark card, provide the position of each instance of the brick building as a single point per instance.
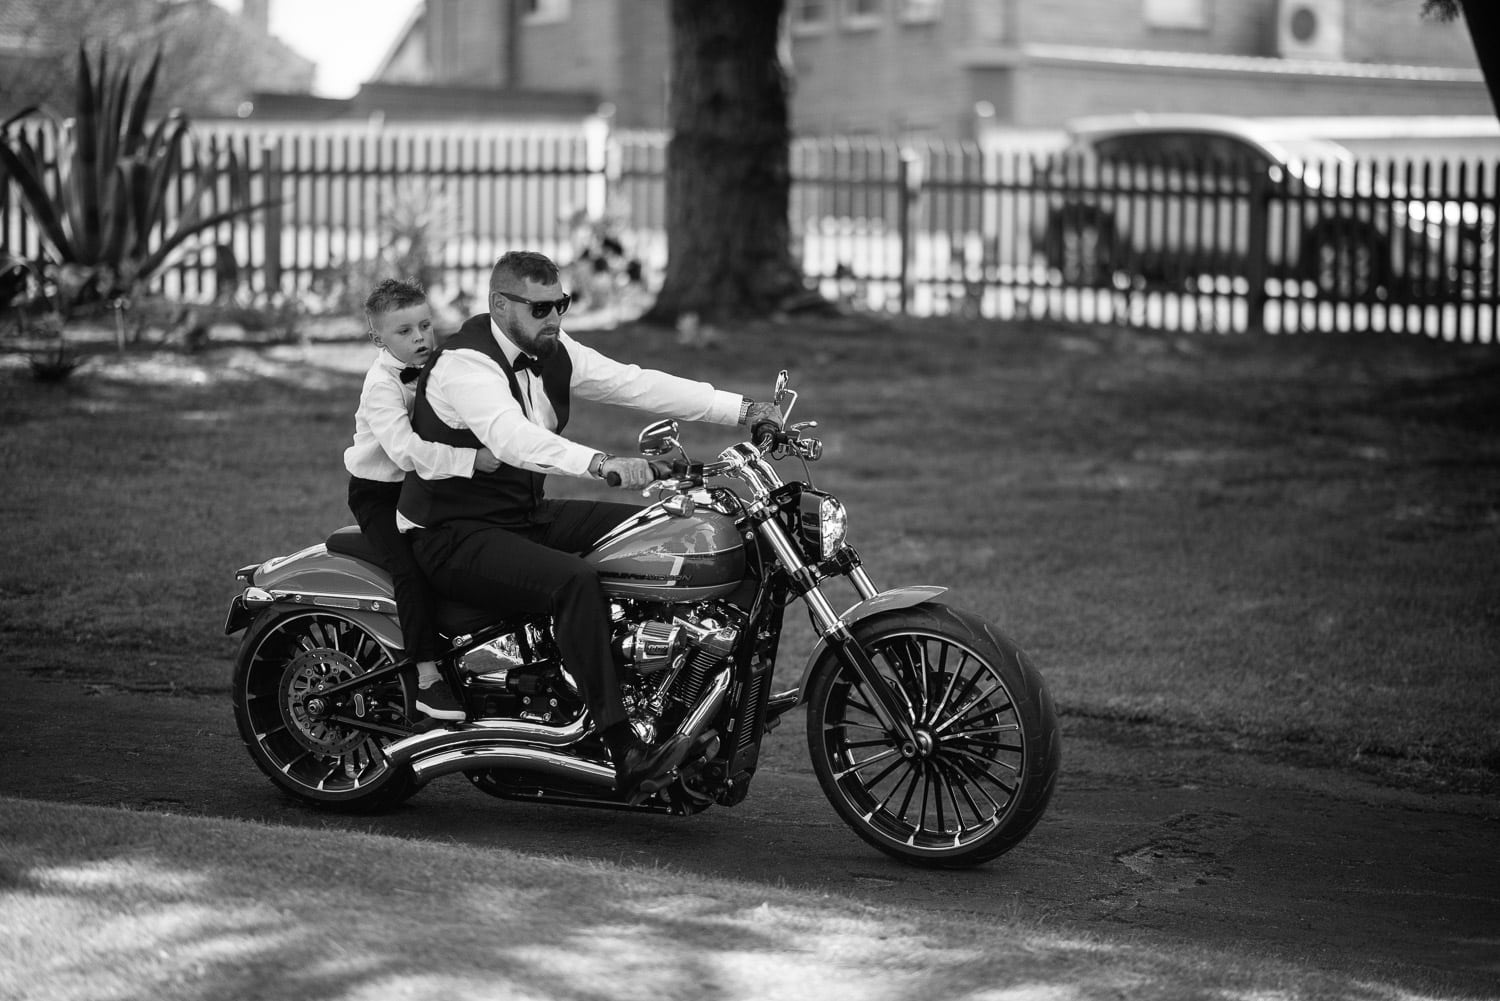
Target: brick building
(958, 68)
(953, 68)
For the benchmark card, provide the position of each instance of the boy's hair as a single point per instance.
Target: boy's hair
(393, 294)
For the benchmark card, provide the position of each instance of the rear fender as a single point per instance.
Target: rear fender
(885, 601)
(384, 628)
(317, 579)
(315, 570)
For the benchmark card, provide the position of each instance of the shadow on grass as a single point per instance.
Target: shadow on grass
(104, 903)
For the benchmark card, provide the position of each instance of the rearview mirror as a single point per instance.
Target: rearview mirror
(784, 396)
(659, 438)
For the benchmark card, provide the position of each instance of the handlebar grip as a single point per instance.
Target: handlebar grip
(763, 433)
(660, 470)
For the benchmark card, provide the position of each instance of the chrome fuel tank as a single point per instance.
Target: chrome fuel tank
(660, 556)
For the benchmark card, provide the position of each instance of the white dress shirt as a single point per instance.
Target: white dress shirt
(385, 446)
(467, 389)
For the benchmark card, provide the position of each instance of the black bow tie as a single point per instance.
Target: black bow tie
(410, 373)
(526, 363)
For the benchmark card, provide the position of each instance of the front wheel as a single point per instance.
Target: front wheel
(984, 762)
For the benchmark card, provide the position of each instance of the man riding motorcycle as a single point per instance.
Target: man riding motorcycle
(506, 382)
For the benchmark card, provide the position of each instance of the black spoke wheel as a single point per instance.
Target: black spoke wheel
(980, 768)
(322, 750)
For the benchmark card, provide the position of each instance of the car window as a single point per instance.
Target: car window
(1228, 153)
(1141, 148)
(1184, 148)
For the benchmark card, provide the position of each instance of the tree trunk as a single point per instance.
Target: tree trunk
(728, 165)
(1482, 18)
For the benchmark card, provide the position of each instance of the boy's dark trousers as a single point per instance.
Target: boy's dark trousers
(374, 505)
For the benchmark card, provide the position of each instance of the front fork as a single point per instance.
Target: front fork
(889, 708)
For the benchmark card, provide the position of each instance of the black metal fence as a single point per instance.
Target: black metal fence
(918, 230)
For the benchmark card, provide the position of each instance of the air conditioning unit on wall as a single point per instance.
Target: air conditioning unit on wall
(1310, 29)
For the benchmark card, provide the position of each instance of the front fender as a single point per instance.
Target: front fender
(885, 601)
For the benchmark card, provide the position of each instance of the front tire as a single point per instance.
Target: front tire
(281, 668)
(986, 760)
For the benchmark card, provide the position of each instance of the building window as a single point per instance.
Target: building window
(809, 14)
(913, 11)
(861, 14)
(1191, 15)
(545, 11)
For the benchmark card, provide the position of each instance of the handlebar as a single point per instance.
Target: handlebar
(764, 434)
(660, 470)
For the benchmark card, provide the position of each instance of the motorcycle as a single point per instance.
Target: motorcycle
(931, 733)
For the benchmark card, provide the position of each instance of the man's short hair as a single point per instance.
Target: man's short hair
(393, 294)
(518, 264)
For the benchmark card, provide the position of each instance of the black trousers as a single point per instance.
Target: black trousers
(374, 505)
(536, 570)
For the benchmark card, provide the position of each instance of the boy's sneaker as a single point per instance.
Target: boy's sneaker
(437, 701)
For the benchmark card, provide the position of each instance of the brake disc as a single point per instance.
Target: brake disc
(308, 674)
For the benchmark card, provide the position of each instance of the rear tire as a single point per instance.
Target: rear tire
(278, 673)
(986, 760)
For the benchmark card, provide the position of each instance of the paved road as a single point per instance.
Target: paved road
(1161, 844)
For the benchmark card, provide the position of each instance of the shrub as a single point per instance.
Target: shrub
(119, 199)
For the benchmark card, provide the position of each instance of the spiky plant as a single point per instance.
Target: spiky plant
(125, 196)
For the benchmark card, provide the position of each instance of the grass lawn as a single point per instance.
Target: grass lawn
(98, 903)
(1282, 545)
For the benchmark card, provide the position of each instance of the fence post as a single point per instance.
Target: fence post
(1260, 210)
(909, 178)
(596, 138)
(270, 164)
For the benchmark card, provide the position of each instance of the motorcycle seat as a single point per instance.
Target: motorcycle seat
(350, 541)
(453, 617)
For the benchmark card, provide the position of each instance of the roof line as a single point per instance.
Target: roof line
(1045, 52)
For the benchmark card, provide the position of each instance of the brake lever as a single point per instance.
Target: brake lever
(659, 487)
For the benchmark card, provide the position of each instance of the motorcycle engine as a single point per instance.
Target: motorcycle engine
(667, 661)
(519, 675)
(665, 654)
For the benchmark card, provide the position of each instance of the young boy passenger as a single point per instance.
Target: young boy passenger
(385, 447)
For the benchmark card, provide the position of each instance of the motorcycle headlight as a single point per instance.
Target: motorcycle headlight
(824, 524)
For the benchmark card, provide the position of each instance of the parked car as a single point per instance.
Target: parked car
(1172, 199)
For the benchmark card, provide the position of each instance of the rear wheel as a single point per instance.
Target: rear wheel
(984, 761)
(304, 741)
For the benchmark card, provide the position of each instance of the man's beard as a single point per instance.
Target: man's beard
(537, 346)
(545, 347)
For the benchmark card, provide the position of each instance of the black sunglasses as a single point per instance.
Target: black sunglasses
(540, 308)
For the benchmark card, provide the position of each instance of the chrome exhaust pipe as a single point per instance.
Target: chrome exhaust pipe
(535, 747)
(512, 758)
(486, 733)
(708, 705)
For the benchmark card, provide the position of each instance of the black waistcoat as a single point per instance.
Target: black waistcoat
(509, 496)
